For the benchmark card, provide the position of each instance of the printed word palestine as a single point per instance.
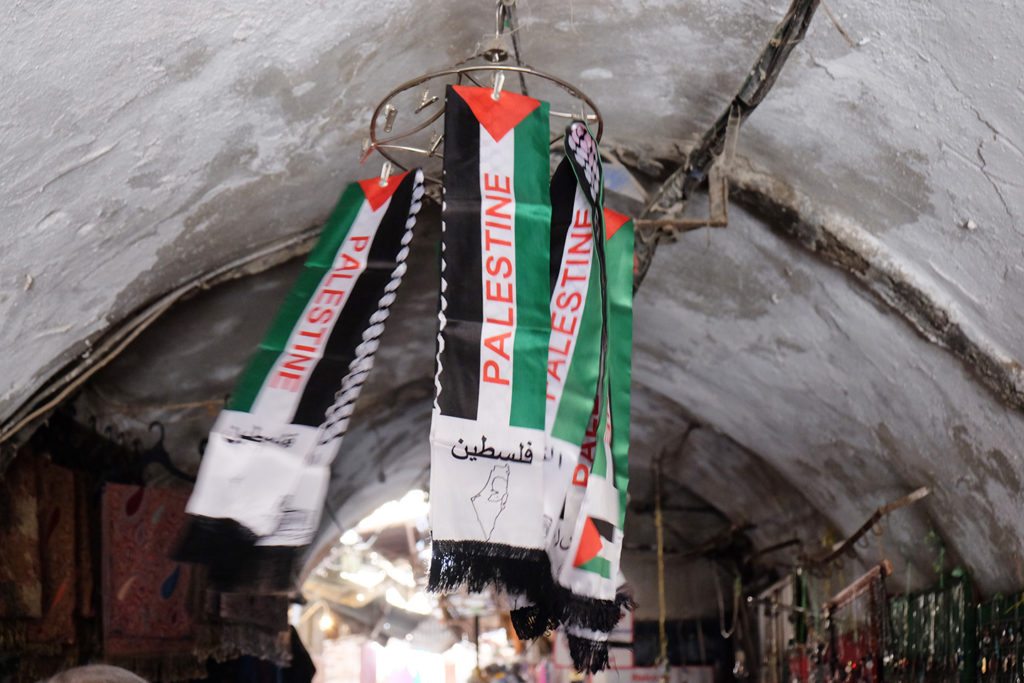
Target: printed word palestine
(316, 324)
(499, 286)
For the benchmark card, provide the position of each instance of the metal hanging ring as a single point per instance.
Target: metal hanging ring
(387, 146)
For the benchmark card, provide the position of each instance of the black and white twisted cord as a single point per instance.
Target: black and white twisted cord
(339, 413)
(584, 150)
(442, 320)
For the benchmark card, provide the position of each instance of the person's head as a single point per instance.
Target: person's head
(96, 673)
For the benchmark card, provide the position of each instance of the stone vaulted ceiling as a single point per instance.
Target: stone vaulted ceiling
(853, 334)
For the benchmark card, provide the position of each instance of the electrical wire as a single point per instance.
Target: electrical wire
(736, 590)
(117, 340)
(660, 532)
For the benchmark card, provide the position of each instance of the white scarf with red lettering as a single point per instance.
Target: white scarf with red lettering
(573, 363)
(265, 470)
(487, 427)
(588, 571)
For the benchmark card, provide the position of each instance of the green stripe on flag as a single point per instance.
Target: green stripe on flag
(598, 565)
(533, 252)
(317, 264)
(620, 350)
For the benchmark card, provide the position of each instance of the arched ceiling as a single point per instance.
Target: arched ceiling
(853, 334)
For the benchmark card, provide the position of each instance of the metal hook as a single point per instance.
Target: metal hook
(159, 425)
(497, 48)
(385, 173)
(158, 454)
(390, 112)
(500, 13)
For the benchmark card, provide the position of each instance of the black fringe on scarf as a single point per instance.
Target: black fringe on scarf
(533, 621)
(591, 656)
(560, 605)
(625, 599)
(235, 563)
(589, 613)
(588, 656)
(477, 565)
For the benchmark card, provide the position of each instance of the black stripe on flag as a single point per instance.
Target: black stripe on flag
(354, 318)
(563, 199)
(460, 389)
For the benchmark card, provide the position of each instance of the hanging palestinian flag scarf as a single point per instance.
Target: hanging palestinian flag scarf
(589, 572)
(572, 369)
(575, 347)
(587, 605)
(264, 474)
(487, 427)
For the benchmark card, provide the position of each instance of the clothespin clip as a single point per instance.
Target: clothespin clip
(385, 173)
(367, 150)
(499, 83)
(425, 101)
(435, 142)
(390, 112)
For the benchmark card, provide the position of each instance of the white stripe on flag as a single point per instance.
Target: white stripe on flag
(498, 281)
(285, 383)
(567, 303)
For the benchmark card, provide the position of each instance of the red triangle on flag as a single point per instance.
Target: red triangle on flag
(590, 544)
(497, 116)
(613, 220)
(376, 193)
